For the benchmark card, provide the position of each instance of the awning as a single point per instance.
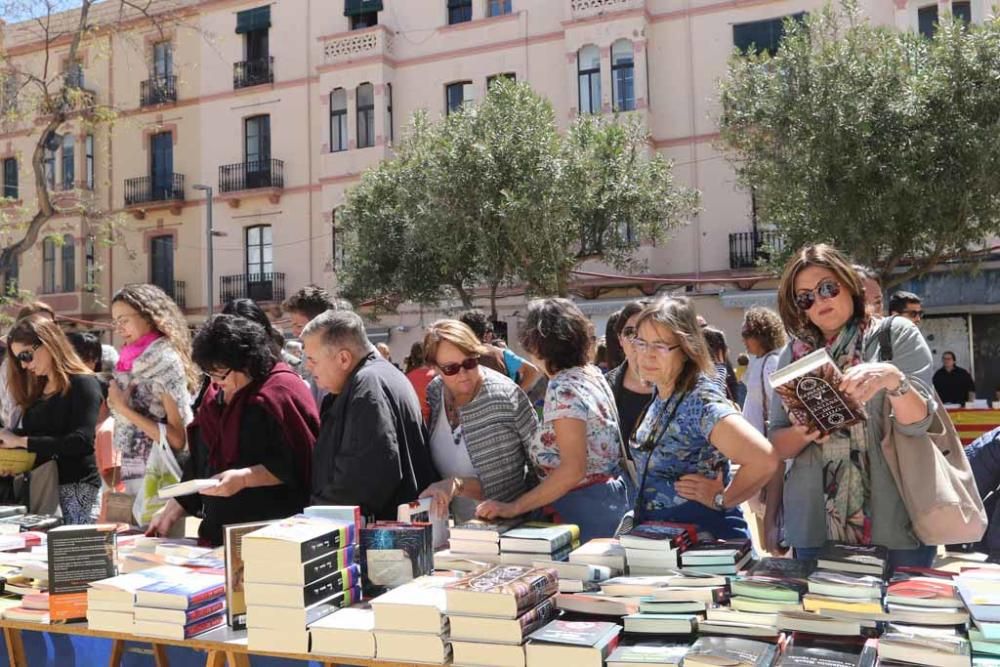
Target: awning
(767, 298)
(455, 4)
(258, 18)
(356, 7)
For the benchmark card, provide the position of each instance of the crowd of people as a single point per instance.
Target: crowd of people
(660, 436)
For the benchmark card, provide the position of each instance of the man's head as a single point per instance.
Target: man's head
(88, 348)
(334, 342)
(309, 302)
(873, 288)
(948, 359)
(908, 305)
(479, 323)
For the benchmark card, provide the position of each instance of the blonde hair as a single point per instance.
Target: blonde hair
(678, 316)
(160, 311)
(452, 331)
(38, 330)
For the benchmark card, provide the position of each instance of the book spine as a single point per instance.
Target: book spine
(542, 587)
(332, 541)
(331, 562)
(203, 625)
(204, 611)
(345, 599)
(342, 580)
(201, 597)
(537, 617)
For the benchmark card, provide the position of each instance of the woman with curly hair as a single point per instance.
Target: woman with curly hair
(154, 378)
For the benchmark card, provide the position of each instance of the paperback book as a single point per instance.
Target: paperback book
(505, 591)
(77, 556)
(236, 604)
(395, 553)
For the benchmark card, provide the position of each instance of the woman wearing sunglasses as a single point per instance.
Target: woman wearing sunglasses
(481, 425)
(578, 455)
(840, 488)
(691, 432)
(154, 378)
(60, 399)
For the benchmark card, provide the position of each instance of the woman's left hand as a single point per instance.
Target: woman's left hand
(699, 488)
(116, 397)
(494, 509)
(863, 381)
(231, 482)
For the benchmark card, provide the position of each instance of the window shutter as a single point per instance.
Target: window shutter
(258, 18)
(356, 7)
(455, 4)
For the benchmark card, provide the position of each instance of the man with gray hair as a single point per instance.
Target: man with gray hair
(372, 446)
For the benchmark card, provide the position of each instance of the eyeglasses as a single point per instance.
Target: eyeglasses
(218, 379)
(452, 369)
(826, 289)
(628, 333)
(27, 356)
(913, 314)
(656, 348)
(121, 321)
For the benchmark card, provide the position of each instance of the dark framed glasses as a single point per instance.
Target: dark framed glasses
(451, 369)
(218, 378)
(27, 356)
(826, 289)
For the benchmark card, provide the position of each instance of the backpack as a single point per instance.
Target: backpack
(932, 472)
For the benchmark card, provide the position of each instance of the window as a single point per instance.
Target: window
(366, 115)
(259, 252)
(161, 262)
(74, 75)
(459, 11)
(456, 94)
(68, 162)
(10, 178)
(48, 265)
(588, 66)
(338, 120)
(362, 13)
(69, 264)
(510, 76)
(88, 164)
(257, 151)
(163, 61)
(388, 110)
(161, 165)
(622, 76)
(254, 25)
(90, 263)
(962, 11)
(49, 159)
(760, 36)
(927, 19)
(365, 20)
(498, 7)
(337, 250)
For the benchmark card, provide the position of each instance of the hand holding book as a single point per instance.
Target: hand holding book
(863, 381)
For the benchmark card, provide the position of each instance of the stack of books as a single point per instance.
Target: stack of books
(772, 586)
(181, 605)
(576, 577)
(924, 597)
(605, 552)
(980, 591)
(111, 602)
(652, 548)
(479, 540)
(347, 632)
(717, 557)
(493, 613)
(394, 553)
(577, 643)
(940, 649)
(533, 540)
(838, 603)
(410, 622)
(296, 572)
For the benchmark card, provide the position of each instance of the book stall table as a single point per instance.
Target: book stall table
(221, 648)
(971, 424)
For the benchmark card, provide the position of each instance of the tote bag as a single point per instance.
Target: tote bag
(162, 470)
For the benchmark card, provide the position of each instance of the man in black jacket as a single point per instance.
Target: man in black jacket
(372, 448)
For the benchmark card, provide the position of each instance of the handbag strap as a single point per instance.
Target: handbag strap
(763, 389)
(885, 339)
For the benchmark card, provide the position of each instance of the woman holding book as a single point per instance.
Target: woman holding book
(60, 399)
(691, 432)
(578, 455)
(839, 487)
(481, 425)
(254, 433)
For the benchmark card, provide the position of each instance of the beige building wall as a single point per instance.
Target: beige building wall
(680, 52)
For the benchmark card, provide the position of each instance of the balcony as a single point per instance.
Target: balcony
(144, 193)
(345, 47)
(253, 175)
(583, 9)
(253, 72)
(259, 287)
(159, 90)
(748, 250)
(177, 290)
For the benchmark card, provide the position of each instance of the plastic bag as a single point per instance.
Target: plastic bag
(162, 470)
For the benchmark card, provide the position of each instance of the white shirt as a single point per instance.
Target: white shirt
(451, 458)
(756, 381)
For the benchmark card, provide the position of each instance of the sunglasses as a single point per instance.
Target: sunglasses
(826, 289)
(27, 356)
(452, 369)
(914, 314)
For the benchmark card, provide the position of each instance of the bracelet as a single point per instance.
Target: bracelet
(902, 390)
(459, 484)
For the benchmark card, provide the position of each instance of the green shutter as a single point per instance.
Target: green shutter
(253, 19)
(455, 4)
(355, 7)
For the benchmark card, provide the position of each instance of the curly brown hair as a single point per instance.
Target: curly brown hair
(160, 311)
(764, 325)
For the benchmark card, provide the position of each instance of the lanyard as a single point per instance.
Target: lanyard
(649, 445)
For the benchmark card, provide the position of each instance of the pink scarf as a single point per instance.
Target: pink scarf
(133, 351)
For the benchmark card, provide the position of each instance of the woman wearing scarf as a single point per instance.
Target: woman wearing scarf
(840, 488)
(254, 432)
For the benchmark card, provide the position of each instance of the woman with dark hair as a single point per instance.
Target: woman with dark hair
(60, 399)
(718, 350)
(615, 353)
(153, 380)
(254, 433)
(420, 373)
(690, 433)
(579, 454)
(839, 487)
(632, 393)
(249, 310)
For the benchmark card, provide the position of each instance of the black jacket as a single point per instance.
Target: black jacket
(372, 449)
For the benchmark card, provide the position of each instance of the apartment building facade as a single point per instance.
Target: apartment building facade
(280, 106)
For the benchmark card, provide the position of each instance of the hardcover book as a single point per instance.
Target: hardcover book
(77, 556)
(856, 558)
(660, 535)
(715, 552)
(395, 553)
(349, 513)
(577, 643)
(297, 540)
(502, 630)
(186, 592)
(505, 591)
(294, 620)
(349, 632)
(236, 604)
(809, 388)
(310, 571)
(282, 595)
(416, 606)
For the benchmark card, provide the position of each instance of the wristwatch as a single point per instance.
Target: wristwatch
(719, 501)
(904, 388)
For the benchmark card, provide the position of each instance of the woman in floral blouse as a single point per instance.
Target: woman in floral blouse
(690, 432)
(578, 454)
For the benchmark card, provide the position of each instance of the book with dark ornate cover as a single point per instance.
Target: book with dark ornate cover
(855, 558)
(809, 388)
(505, 591)
(730, 651)
(394, 553)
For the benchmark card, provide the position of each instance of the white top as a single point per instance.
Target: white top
(451, 458)
(756, 381)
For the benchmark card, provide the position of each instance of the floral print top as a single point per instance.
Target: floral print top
(580, 393)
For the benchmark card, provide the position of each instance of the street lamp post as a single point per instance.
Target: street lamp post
(209, 234)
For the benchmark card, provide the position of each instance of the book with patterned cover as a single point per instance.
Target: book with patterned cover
(528, 586)
(809, 388)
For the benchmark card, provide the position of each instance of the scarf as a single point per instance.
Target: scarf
(282, 395)
(133, 351)
(846, 476)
